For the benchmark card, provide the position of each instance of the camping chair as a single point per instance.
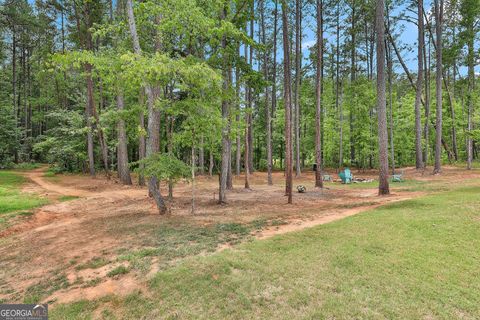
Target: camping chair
(346, 176)
(327, 177)
(398, 177)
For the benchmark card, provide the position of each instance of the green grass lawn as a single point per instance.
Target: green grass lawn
(417, 259)
(11, 199)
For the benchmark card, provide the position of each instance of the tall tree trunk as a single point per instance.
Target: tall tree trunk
(287, 103)
(383, 187)
(451, 104)
(410, 79)
(274, 67)
(318, 96)
(470, 94)
(418, 93)
(267, 95)
(62, 18)
(122, 148)
(352, 82)
(14, 90)
(238, 135)
(229, 172)
(96, 125)
(90, 93)
(247, 154)
(141, 137)
(438, 86)
(193, 173)
(169, 126)
(153, 126)
(89, 115)
(210, 163)
(248, 109)
(201, 157)
(88, 110)
(390, 104)
(250, 102)
(298, 76)
(222, 197)
(229, 167)
(338, 104)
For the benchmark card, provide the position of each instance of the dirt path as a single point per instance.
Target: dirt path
(327, 217)
(37, 176)
(108, 218)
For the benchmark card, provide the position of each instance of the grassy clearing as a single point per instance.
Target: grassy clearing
(416, 259)
(11, 199)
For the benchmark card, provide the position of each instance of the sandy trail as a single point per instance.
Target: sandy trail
(37, 177)
(327, 217)
(108, 216)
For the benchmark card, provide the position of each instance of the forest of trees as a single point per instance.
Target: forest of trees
(174, 88)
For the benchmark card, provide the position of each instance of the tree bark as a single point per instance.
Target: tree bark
(418, 93)
(201, 157)
(169, 125)
(153, 126)
(267, 95)
(95, 126)
(193, 174)
(88, 114)
(410, 79)
(352, 82)
(238, 135)
(438, 86)
(471, 88)
(210, 163)
(298, 76)
(274, 67)
(14, 90)
(338, 104)
(222, 197)
(318, 96)
(383, 187)
(141, 137)
(122, 148)
(427, 104)
(390, 104)
(247, 154)
(287, 103)
(250, 102)
(229, 167)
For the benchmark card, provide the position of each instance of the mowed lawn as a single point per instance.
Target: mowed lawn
(11, 199)
(417, 259)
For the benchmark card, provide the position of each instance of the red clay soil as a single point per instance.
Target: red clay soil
(79, 230)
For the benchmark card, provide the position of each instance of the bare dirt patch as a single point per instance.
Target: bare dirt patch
(40, 257)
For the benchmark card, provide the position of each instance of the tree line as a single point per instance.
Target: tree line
(171, 89)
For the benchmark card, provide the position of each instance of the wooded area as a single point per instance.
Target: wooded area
(173, 89)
